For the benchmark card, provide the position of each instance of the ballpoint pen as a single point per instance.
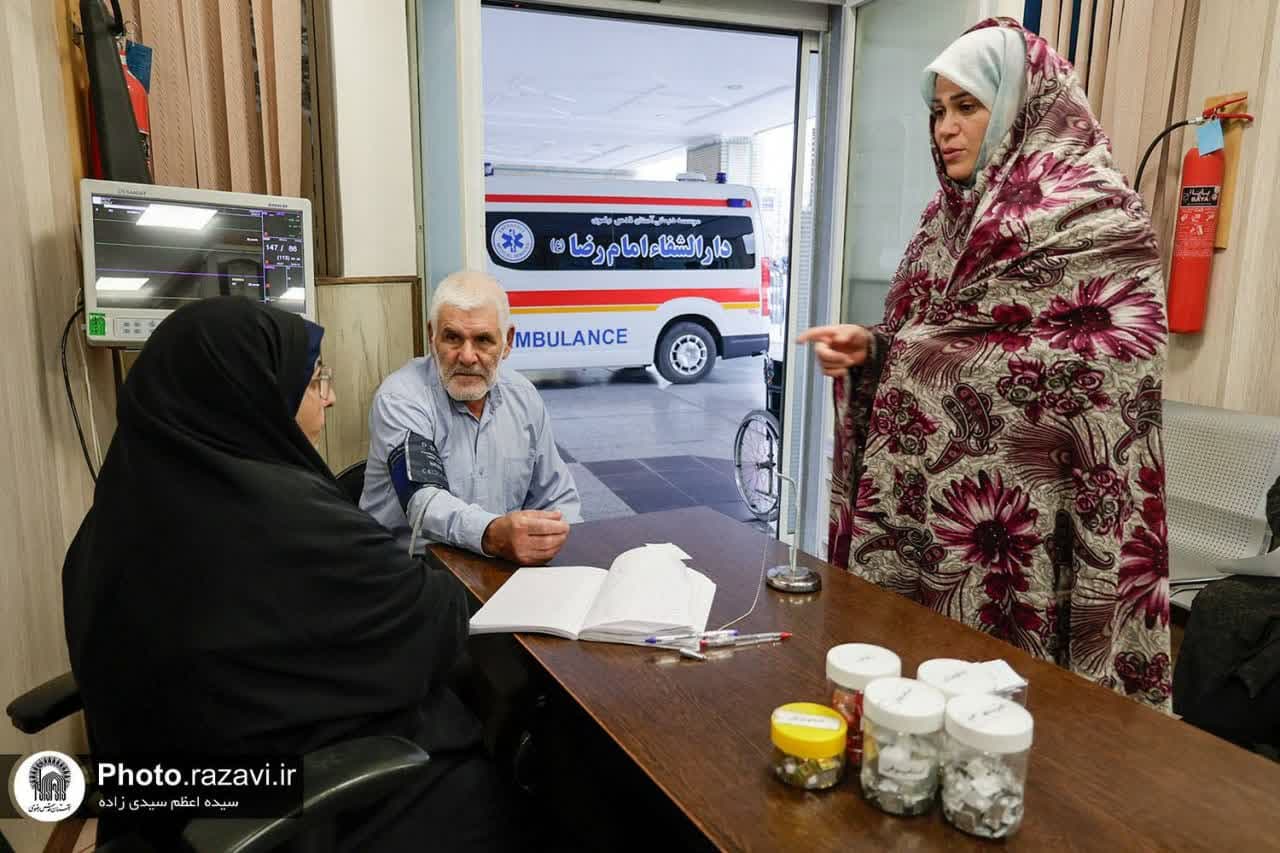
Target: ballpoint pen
(685, 651)
(714, 637)
(757, 639)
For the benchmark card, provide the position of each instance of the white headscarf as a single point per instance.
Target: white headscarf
(989, 64)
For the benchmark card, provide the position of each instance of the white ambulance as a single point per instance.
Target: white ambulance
(623, 273)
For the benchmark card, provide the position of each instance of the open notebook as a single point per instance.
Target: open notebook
(646, 591)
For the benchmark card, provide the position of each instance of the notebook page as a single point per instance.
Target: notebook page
(541, 600)
(668, 549)
(702, 591)
(646, 591)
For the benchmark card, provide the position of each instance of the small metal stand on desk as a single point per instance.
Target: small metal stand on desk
(793, 578)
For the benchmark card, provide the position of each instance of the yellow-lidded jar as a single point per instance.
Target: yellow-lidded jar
(808, 745)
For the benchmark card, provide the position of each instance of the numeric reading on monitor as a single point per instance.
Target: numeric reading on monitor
(163, 254)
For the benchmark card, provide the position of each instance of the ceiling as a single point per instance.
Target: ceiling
(574, 91)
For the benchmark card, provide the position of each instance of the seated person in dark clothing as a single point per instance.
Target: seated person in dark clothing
(1227, 679)
(223, 597)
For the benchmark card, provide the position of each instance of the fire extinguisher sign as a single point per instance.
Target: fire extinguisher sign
(1197, 222)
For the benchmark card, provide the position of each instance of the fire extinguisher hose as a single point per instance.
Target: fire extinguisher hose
(1218, 111)
(1137, 178)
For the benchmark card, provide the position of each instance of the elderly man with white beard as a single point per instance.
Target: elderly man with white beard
(460, 446)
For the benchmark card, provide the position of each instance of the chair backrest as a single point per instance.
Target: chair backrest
(351, 480)
(1219, 465)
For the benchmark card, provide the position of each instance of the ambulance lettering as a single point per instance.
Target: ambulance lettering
(569, 338)
(666, 246)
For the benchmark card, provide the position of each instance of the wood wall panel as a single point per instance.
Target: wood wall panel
(44, 488)
(369, 332)
(75, 87)
(1234, 53)
(1254, 353)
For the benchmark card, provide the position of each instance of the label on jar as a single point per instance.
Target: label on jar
(897, 764)
(809, 721)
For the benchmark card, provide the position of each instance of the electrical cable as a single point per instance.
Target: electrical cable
(1214, 113)
(764, 556)
(71, 400)
(764, 560)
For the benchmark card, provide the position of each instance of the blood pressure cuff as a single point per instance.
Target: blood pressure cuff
(415, 464)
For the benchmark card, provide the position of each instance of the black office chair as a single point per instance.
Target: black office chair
(338, 778)
(351, 480)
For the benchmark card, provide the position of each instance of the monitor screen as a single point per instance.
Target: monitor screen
(161, 254)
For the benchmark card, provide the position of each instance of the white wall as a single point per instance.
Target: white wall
(375, 142)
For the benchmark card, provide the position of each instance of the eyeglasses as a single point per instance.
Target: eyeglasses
(323, 381)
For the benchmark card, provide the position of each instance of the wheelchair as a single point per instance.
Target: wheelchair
(757, 448)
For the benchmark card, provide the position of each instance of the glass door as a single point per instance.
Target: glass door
(675, 119)
(874, 174)
(788, 367)
(891, 175)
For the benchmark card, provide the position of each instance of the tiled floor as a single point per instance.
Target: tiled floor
(661, 482)
(598, 500)
(636, 443)
(603, 415)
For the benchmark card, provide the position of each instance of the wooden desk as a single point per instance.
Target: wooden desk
(1106, 773)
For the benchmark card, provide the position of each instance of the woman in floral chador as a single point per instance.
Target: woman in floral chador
(998, 454)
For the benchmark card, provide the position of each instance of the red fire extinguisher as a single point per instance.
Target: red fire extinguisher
(1196, 228)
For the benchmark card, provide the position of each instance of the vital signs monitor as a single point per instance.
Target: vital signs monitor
(149, 250)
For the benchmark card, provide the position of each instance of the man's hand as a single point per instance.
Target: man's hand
(528, 537)
(838, 347)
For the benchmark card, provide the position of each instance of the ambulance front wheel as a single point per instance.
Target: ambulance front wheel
(686, 353)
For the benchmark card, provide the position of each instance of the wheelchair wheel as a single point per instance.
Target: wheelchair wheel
(757, 451)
